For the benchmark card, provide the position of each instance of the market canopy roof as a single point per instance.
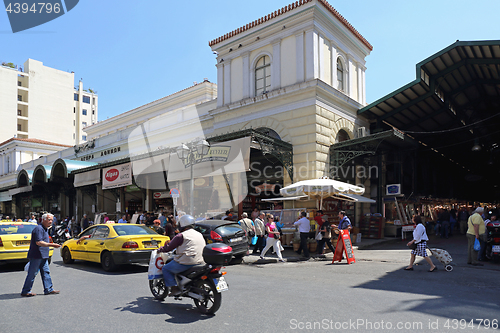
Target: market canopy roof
(452, 105)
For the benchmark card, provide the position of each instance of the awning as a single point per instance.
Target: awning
(63, 167)
(87, 178)
(5, 196)
(42, 172)
(286, 198)
(20, 190)
(353, 198)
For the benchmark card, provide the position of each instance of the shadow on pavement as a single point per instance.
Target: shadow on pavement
(180, 313)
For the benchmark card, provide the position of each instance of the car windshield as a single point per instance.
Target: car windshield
(133, 229)
(228, 230)
(16, 228)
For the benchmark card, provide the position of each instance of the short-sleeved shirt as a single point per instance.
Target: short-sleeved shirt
(271, 227)
(39, 233)
(476, 219)
(304, 224)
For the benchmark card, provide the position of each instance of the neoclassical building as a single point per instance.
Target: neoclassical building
(289, 86)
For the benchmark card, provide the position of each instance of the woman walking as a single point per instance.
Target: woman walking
(420, 238)
(273, 238)
(326, 232)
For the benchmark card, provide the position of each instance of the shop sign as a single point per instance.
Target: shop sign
(106, 152)
(117, 176)
(408, 228)
(393, 189)
(161, 195)
(344, 246)
(132, 188)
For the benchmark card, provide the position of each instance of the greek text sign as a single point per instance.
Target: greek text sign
(117, 176)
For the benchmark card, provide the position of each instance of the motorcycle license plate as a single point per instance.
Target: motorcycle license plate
(496, 248)
(221, 284)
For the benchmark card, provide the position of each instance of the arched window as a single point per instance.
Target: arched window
(262, 76)
(340, 75)
(342, 136)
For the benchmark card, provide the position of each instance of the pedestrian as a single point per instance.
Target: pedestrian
(84, 222)
(255, 214)
(123, 219)
(260, 233)
(344, 222)
(420, 238)
(157, 227)
(326, 233)
(318, 218)
(476, 230)
(32, 219)
(248, 226)
(106, 218)
(304, 227)
(463, 216)
(444, 219)
(273, 238)
(163, 220)
(38, 255)
(170, 227)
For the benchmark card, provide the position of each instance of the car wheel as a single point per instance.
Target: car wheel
(66, 256)
(107, 262)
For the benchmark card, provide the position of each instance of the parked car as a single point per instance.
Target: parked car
(15, 239)
(223, 231)
(113, 244)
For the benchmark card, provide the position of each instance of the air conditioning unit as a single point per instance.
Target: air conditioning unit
(361, 132)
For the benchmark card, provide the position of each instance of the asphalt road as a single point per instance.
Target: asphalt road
(372, 295)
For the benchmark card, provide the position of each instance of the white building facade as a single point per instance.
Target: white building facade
(39, 102)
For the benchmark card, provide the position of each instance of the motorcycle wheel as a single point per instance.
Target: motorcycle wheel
(158, 289)
(211, 298)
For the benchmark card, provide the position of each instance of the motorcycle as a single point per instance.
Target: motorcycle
(61, 234)
(492, 250)
(202, 283)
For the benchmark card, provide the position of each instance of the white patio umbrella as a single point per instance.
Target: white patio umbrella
(320, 188)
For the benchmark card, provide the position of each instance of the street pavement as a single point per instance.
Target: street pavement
(374, 294)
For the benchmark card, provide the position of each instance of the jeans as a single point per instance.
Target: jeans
(169, 270)
(36, 265)
(303, 244)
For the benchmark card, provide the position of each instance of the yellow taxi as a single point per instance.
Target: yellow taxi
(15, 238)
(113, 244)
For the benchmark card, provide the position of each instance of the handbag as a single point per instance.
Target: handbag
(413, 246)
(319, 236)
(477, 245)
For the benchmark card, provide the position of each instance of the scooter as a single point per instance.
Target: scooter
(492, 250)
(61, 234)
(203, 283)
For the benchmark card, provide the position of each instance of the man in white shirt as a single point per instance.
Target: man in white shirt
(304, 226)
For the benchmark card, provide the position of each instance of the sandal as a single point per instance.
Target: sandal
(433, 269)
(408, 268)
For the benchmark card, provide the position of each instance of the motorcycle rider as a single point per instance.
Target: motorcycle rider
(189, 244)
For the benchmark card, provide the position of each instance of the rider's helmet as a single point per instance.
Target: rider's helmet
(186, 220)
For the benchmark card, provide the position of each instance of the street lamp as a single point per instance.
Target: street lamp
(186, 152)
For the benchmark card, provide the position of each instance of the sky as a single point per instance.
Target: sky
(135, 52)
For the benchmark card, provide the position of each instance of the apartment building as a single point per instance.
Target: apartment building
(39, 102)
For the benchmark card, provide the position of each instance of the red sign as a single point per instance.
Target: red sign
(344, 246)
(112, 175)
(157, 195)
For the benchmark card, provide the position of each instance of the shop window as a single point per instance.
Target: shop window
(340, 75)
(262, 76)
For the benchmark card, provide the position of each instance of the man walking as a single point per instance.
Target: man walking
(260, 233)
(475, 231)
(38, 255)
(247, 225)
(84, 223)
(304, 228)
